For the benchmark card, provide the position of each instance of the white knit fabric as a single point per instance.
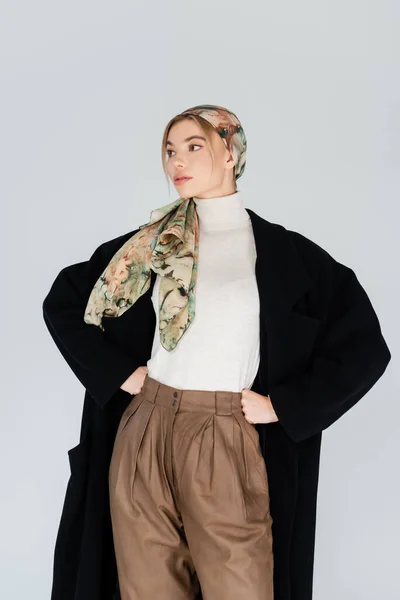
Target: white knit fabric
(220, 350)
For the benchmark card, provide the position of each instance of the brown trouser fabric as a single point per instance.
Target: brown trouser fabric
(189, 498)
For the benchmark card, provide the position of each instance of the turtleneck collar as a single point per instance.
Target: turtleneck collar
(221, 212)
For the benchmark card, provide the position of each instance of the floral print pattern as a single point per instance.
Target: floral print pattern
(228, 127)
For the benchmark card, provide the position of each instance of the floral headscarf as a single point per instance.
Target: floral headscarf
(169, 245)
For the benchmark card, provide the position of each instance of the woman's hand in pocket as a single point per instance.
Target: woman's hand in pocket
(134, 383)
(257, 408)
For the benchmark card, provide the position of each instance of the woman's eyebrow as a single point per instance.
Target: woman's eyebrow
(192, 137)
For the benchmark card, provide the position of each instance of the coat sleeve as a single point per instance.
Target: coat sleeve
(100, 364)
(349, 359)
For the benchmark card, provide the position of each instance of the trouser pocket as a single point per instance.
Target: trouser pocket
(253, 471)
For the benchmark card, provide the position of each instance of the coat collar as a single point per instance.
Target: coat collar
(281, 275)
(287, 335)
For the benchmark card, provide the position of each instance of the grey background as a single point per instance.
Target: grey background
(86, 90)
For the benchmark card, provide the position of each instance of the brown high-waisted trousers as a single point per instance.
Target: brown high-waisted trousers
(189, 498)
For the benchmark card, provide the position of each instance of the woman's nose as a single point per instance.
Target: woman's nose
(179, 161)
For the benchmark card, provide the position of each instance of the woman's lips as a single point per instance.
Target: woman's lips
(182, 181)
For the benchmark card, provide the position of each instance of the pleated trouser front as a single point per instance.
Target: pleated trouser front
(189, 498)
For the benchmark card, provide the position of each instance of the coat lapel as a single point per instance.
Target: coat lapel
(286, 336)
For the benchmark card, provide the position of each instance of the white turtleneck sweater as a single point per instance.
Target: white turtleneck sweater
(220, 349)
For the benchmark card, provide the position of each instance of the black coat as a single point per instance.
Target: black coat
(321, 351)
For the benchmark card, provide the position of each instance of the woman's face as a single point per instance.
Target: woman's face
(192, 157)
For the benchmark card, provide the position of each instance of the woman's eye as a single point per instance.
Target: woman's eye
(191, 146)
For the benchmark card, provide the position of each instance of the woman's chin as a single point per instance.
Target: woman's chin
(186, 190)
(186, 193)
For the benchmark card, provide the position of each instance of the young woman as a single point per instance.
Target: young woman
(215, 347)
